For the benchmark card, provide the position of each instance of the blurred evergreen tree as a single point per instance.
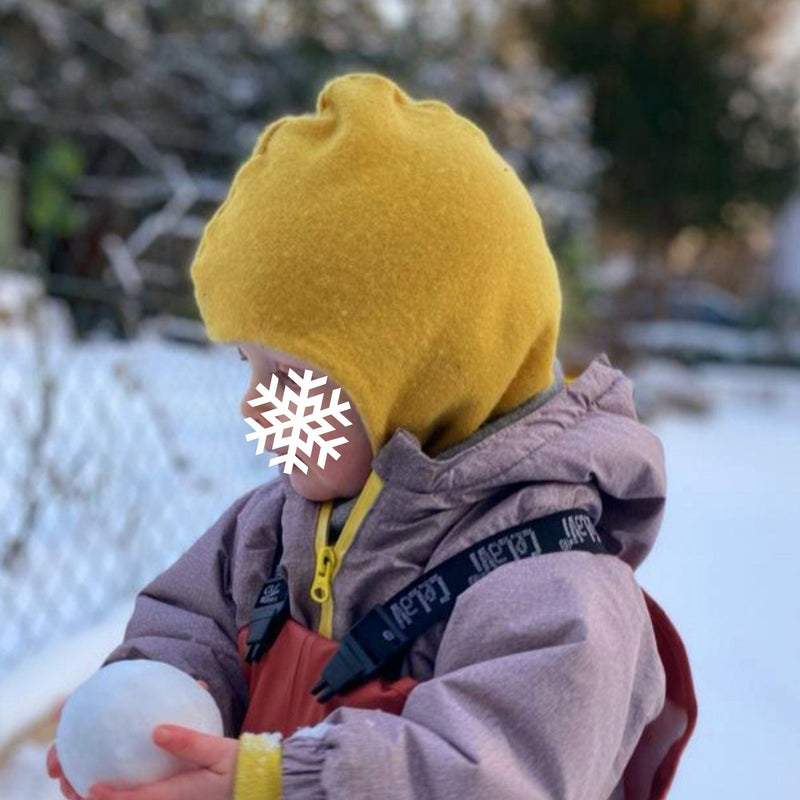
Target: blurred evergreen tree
(691, 134)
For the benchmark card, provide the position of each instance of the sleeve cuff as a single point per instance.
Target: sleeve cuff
(258, 767)
(303, 760)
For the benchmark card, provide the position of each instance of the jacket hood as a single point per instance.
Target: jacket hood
(580, 440)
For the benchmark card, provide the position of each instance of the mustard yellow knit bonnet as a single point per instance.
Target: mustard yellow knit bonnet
(385, 242)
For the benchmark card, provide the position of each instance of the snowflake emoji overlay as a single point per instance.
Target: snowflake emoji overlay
(309, 411)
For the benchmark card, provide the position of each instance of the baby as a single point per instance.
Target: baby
(449, 609)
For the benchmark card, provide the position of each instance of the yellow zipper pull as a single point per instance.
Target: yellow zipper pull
(326, 563)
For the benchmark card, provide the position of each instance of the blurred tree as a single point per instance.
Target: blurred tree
(158, 102)
(164, 98)
(693, 138)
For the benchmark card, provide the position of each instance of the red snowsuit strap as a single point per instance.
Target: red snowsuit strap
(280, 683)
(652, 767)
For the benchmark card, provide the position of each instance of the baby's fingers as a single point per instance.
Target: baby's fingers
(53, 764)
(54, 771)
(68, 791)
(194, 784)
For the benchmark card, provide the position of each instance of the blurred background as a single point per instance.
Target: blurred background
(659, 140)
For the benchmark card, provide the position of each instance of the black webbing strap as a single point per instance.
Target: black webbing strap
(389, 629)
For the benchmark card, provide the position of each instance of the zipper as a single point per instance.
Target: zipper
(329, 557)
(323, 575)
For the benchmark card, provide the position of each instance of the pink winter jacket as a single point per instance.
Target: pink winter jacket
(539, 684)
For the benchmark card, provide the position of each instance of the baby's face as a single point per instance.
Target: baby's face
(344, 477)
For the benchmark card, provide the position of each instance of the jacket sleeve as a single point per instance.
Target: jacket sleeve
(187, 616)
(546, 675)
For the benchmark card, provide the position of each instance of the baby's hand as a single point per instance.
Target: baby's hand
(214, 757)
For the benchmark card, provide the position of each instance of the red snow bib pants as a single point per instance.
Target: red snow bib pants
(281, 700)
(280, 683)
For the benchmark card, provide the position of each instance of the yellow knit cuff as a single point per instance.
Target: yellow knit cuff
(258, 767)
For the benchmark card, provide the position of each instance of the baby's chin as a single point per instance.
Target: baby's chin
(312, 485)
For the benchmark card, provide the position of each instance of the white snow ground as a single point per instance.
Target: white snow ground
(724, 568)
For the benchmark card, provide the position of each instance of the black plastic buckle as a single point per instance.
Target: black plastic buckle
(351, 664)
(267, 617)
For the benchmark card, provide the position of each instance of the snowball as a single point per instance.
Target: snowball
(106, 725)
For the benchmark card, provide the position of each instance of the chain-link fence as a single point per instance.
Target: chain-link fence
(114, 457)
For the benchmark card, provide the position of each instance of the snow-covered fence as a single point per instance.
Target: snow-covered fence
(114, 457)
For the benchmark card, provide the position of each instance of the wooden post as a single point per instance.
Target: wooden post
(9, 212)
